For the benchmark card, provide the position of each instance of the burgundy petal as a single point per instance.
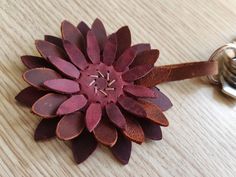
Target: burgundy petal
(140, 91)
(72, 34)
(122, 149)
(47, 105)
(124, 60)
(146, 57)
(34, 62)
(151, 130)
(46, 129)
(93, 49)
(54, 40)
(37, 76)
(47, 49)
(123, 40)
(137, 72)
(75, 55)
(29, 95)
(93, 116)
(106, 133)
(83, 28)
(110, 48)
(74, 103)
(100, 32)
(65, 86)
(83, 146)
(70, 126)
(115, 115)
(131, 106)
(141, 47)
(65, 67)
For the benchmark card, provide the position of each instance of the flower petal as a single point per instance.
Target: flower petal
(141, 47)
(54, 40)
(146, 57)
(122, 149)
(47, 105)
(46, 129)
(124, 60)
(75, 55)
(70, 126)
(47, 49)
(74, 103)
(34, 62)
(37, 76)
(100, 32)
(93, 116)
(29, 95)
(123, 40)
(109, 52)
(65, 67)
(153, 113)
(151, 130)
(131, 105)
(72, 34)
(83, 28)
(139, 91)
(137, 72)
(93, 49)
(106, 133)
(83, 146)
(64, 86)
(115, 115)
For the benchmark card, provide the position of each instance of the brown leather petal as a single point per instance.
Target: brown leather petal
(179, 72)
(83, 146)
(37, 76)
(93, 116)
(29, 95)
(141, 47)
(100, 32)
(93, 49)
(110, 48)
(140, 91)
(54, 40)
(70, 126)
(46, 129)
(74, 103)
(47, 105)
(106, 133)
(122, 149)
(83, 28)
(151, 130)
(123, 40)
(34, 62)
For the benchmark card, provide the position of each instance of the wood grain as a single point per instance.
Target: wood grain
(201, 138)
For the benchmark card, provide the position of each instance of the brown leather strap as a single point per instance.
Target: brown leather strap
(179, 72)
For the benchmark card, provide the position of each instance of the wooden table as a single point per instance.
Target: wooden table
(201, 138)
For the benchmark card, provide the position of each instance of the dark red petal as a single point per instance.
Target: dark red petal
(137, 72)
(124, 60)
(37, 76)
(75, 55)
(141, 47)
(70, 126)
(29, 95)
(134, 131)
(93, 116)
(72, 34)
(151, 130)
(131, 106)
(46, 129)
(110, 48)
(100, 32)
(106, 133)
(115, 115)
(123, 40)
(93, 49)
(83, 146)
(74, 103)
(47, 49)
(34, 62)
(140, 91)
(146, 57)
(153, 113)
(83, 28)
(62, 86)
(47, 105)
(54, 40)
(122, 149)
(65, 67)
